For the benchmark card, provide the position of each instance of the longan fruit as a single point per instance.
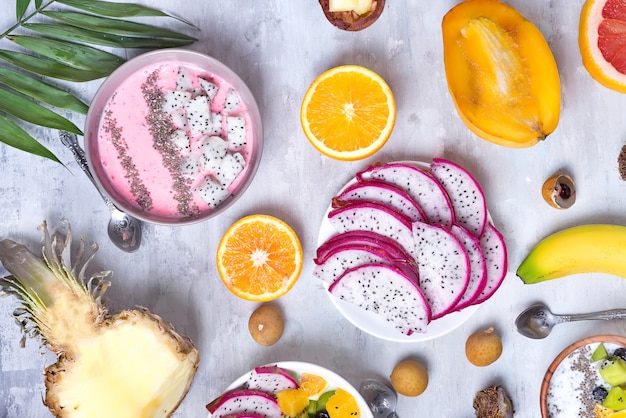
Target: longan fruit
(483, 347)
(266, 324)
(409, 378)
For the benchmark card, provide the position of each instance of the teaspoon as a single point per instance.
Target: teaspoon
(380, 398)
(537, 321)
(124, 230)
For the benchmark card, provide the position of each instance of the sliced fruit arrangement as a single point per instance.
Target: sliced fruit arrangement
(275, 392)
(501, 73)
(601, 39)
(259, 258)
(352, 15)
(592, 248)
(610, 397)
(348, 112)
(411, 242)
(131, 364)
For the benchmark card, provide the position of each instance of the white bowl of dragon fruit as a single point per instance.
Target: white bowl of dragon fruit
(173, 137)
(407, 250)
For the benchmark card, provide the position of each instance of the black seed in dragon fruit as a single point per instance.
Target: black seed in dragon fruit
(181, 140)
(443, 266)
(229, 169)
(270, 379)
(478, 269)
(209, 88)
(468, 200)
(376, 217)
(174, 100)
(422, 186)
(381, 191)
(212, 192)
(198, 115)
(212, 150)
(236, 132)
(496, 261)
(387, 292)
(244, 400)
(231, 102)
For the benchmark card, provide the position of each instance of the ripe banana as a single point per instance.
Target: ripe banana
(598, 248)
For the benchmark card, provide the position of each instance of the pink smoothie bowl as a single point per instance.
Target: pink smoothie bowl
(173, 137)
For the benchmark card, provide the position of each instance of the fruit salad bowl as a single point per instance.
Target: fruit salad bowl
(173, 137)
(267, 389)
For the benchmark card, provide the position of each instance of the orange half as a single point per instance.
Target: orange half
(259, 258)
(348, 113)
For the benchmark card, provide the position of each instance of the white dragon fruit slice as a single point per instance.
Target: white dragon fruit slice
(231, 102)
(181, 140)
(211, 192)
(422, 186)
(229, 169)
(236, 132)
(270, 379)
(209, 88)
(174, 100)
(468, 200)
(212, 150)
(496, 260)
(347, 256)
(184, 80)
(387, 292)
(376, 217)
(244, 400)
(478, 268)
(190, 166)
(443, 267)
(198, 115)
(179, 119)
(216, 124)
(381, 191)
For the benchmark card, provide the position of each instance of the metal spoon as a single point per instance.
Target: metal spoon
(124, 230)
(537, 321)
(380, 398)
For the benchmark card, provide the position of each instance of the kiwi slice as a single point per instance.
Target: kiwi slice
(615, 399)
(613, 371)
(599, 353)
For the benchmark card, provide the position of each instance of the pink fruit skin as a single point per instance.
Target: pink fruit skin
(478, 268)
(244, 400)
(271, 379)
(494, 248)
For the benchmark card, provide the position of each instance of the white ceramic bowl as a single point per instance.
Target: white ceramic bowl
(136, 140)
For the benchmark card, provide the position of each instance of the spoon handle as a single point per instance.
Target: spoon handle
(601, 315)
(71, 142)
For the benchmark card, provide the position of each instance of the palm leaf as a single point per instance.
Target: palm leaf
(21, 107)
(20, 8)
(115, 26)
(38, 3)
(74, 34)
(14, 136)
(70, 53)
(50, 68)
(111, 9)
(39, 90)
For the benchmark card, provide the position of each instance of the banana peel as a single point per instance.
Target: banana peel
(592, 248)
(501, 73)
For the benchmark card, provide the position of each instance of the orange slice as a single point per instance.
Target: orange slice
(602, 42)
(348, 113)
(312, 384)
(259, 258)
(342, 405)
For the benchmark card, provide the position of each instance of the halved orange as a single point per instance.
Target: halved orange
(259, 258)
(348, 112)
(602, 42)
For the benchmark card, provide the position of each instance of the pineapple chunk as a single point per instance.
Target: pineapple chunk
(360, 7)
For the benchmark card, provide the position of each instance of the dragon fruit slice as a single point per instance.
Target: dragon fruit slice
(357, 237)
(422, 186)
(216, 124)
(213, 150)
(209, 88)
(181, 140)
(387, 292)
(381, 191)
(211, 192)
(376, 217)
(190, 166)
(347, 256)
(229, 169)
(184, 80)
(198, 115)
(478, 269)
(443, 267)
(468, 200)
(494, 248)
(231, 102)
(270, 379)
(236, 132)
(244, 400)
(244, 415)
(174, 100)
(179, 119)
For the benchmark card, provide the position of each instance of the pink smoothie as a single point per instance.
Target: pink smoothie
(139, 162)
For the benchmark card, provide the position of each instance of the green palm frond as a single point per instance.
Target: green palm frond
(65, 44)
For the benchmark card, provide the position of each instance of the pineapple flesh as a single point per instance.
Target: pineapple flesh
(130, 365)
